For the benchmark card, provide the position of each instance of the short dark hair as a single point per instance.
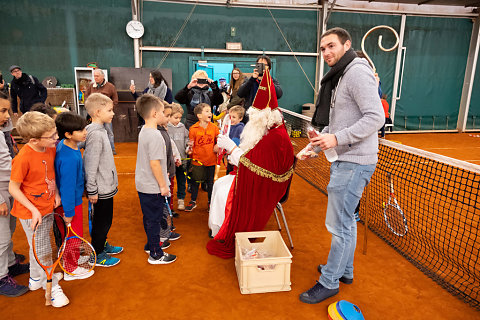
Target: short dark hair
(69, 122)
(43, 108)
(341, 33)
(199, 108)
(146, 103)
(267, 58)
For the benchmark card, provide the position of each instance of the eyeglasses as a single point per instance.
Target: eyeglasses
(52, 137)
(236, 72)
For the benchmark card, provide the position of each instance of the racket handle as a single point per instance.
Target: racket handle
(217, 171)
(48, 293)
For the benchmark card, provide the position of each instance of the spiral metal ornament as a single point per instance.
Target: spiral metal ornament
(379, 42)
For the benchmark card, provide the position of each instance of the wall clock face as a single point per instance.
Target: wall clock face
(135, 29)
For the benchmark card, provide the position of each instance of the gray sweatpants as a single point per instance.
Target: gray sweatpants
(36, 272)
(7, 227)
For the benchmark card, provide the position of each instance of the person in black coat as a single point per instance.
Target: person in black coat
(197, 91)
(248, 89)
(27, 88)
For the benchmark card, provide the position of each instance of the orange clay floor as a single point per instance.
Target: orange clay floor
(201, 286)
(461, 146)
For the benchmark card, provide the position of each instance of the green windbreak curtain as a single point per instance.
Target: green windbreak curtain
(435, 62)
(210, 27)
(358, 25)
(473, 121)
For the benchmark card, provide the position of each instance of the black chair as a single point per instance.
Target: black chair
(279, 207)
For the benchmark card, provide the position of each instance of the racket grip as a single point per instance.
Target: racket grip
(48, 293)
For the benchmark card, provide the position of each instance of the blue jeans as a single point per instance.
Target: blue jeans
(181, 179)
(347, 181)
(153, 219)
(109, 128)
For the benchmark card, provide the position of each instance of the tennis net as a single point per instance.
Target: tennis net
(439, 197)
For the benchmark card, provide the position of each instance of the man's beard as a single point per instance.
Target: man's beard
(260, 121)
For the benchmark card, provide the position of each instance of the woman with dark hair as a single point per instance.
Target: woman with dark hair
(236, 80)
(249, 88)
(157, 86)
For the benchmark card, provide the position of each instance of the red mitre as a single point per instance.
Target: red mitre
(266, 95)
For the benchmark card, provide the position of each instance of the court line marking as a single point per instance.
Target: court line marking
(451, 148)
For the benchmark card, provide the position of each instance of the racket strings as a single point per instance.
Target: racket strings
(395, 219)
(48, 240)
(77, 256)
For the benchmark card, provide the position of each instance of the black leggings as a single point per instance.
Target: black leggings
(101, 223)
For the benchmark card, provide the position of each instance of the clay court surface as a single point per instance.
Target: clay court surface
(201, 286)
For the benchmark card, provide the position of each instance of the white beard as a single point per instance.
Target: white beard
(260, 121)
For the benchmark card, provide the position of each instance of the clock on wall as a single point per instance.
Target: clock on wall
(135, 29)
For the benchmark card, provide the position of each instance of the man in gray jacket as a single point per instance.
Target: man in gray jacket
(354, 115)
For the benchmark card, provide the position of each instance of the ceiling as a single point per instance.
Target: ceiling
(461, 3)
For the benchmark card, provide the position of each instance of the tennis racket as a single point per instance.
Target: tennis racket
(225, 130)
(48, 246)
(169, 214)
(78, 257)
(393, 213)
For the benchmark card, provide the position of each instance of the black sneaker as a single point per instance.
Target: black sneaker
(317, 294)
(172, 237)
(192, 205)
(18, 269)
(10, 288)
(342, 279)
(163, 245)
(165, 259)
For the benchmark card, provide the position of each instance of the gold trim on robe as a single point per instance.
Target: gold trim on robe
(264, 172)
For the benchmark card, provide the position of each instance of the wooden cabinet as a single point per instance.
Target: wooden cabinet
(56, 97)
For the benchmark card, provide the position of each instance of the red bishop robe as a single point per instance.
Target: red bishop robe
(263, 176)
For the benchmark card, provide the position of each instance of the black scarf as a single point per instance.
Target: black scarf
(329, 82)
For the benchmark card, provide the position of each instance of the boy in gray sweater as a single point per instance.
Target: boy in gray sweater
(101, 177)
(179, 135)
(350, 108)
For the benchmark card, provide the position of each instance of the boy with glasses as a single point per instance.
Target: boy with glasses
(32, 185)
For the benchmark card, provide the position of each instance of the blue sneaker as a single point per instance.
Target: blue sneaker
(112, 249)
(10, 288)
(104, 260)
(357, 216)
